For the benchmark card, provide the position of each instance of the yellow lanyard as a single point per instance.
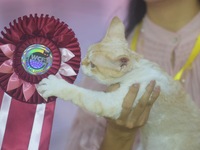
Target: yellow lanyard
(191, 58)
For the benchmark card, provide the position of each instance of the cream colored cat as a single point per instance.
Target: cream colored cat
(174, 121)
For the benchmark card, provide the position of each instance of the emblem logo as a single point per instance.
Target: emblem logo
(36, 59)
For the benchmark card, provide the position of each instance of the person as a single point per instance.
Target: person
(168, 33)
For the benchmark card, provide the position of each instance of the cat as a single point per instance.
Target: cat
(174, 120)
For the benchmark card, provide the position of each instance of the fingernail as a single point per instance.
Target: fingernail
(136, 85)
(157, 89)
(152, 82)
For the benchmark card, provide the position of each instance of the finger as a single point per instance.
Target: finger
(113, 87)
(128, 101)
(135, 113)
(142, 119)
(146, 96)
(155, 94)
(130, 96)
(153, 97)
(143, 102)
(141, 112)
(138, 116)
(145, 115)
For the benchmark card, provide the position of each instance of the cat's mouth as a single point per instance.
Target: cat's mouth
(85, 70)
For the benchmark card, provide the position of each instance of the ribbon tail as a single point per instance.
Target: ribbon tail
(28, 90)
(66, 70)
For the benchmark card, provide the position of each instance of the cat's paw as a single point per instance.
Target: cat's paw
(50, 86)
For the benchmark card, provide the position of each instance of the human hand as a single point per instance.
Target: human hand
(132, 118)
(120, 133)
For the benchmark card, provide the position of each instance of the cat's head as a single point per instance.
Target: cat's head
(110, 59)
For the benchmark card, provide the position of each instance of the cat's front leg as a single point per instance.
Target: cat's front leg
(52, 86)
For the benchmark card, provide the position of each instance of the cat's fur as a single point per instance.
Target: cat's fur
(174, 121)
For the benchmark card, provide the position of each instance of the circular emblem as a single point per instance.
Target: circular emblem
(32, 48)
(36, 59)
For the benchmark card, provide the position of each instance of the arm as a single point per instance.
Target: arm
(120, 133)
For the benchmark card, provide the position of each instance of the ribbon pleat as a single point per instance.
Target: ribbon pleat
(8, 49)
(66, 54)
(66, 70)
(14, 82)
(6, 66)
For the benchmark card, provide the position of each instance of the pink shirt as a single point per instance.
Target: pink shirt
(160, 46)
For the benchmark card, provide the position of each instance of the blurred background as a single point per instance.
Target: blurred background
(89, 20)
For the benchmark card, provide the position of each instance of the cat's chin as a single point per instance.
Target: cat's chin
(85, 71)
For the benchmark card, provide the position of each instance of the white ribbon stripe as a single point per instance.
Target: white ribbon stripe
(4, 110)
(37, 127)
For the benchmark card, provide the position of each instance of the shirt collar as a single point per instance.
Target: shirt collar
(152, 31)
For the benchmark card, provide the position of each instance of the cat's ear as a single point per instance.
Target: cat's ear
(116, 30)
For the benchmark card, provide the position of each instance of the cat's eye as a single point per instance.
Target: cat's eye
(92, 65)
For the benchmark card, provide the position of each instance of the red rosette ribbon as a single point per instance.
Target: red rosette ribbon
(36, 41)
